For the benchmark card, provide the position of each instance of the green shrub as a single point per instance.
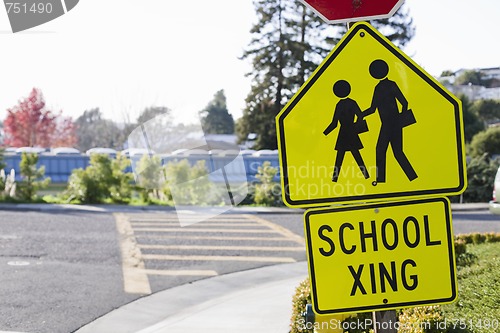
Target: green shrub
(423, 319)
(466, 238)
(460, 246)
(478, 238)
(300, 299)
(492, 237)
(104, 180)
(464, 258)
(32, 178)
(150, 179)
(481, 173)
(190, 184)
(267, 192)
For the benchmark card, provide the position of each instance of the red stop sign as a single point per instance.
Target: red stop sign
(336, 11)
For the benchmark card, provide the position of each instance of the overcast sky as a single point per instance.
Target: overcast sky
(124, 55)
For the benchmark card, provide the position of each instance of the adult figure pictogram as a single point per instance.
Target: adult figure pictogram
(346, 112)
(385, 99)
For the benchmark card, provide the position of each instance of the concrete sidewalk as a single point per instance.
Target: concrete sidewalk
(258, 300)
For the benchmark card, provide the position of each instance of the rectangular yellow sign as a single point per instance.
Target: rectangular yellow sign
(381, 256)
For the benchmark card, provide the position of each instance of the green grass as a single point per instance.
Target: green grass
(478, 304)
(477, 309)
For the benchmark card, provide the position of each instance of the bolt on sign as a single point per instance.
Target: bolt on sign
(381, 256)
(370, 125)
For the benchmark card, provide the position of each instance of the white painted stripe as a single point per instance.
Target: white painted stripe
(279, 229)
(167, 229)
(134, 279)
(215, 258)
(202, 224)
(220, 247)
(222, 238)
(180, 272)
(175, 219)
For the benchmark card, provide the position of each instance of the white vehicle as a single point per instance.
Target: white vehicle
(494, 204)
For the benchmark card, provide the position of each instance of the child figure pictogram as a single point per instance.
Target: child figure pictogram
(348, 114)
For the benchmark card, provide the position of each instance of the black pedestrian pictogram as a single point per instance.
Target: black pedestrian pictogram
(348, 114)
(385, 99)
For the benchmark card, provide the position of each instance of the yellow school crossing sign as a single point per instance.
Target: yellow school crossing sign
(381, 255)
(370, 124)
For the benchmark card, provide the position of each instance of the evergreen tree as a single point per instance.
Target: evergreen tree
(95, 131)
(151, 112)
(472, 122)
(488, 110)
(288, 43)
(32, 178)
(486, 142)
(215, 119)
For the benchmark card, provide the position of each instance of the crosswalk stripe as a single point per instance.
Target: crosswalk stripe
(202, 224)
(215, 258)
(180, 272)
(220, 247)
(166, 229)
(242, 230)
(277, 228)
(134, 279)
(229, 238)
(197, 218)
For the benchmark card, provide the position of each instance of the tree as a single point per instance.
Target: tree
(488, 110)
(215, 119)
(32, 177)
(472, 123)
(481, 172)
(486, 142)
(31, 124)
(288, 43)
(267, 190)
(470, 77)
(447, 72)
(64, 133)
(95, 131)
(154, 130)
(150, 178)
(152, 112)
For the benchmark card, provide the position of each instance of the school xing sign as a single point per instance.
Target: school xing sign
(381, 256)
(370, 124)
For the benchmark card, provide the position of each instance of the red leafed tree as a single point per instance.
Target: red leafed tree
(65, 132)
(30, 124)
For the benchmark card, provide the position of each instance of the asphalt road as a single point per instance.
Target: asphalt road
(59, 271)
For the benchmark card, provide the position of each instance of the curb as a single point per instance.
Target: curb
(260, 298)
(235, 210)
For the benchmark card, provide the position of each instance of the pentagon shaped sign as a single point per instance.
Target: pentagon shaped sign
(370, 124)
